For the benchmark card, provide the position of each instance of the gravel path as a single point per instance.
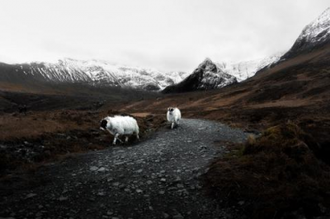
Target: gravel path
(156, 178)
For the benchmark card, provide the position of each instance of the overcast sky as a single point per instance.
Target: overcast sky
(161, 34)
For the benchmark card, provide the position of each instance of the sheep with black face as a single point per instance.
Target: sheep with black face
(120, 125)
(173, 116)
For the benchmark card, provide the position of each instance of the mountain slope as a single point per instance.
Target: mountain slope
(207, 76)
(92, 72)
(314, 35)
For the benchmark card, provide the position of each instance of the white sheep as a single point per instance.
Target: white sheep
(120, 125)
(173, 116)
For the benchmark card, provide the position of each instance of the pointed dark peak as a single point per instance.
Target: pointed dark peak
(208, 65)
(205, 77)
(207, 61)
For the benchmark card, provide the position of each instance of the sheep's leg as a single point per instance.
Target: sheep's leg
(172, 126)
(116, 138)
(137, 136)
(126, 139)
(119, 139)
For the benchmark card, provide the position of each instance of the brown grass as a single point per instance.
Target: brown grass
(53, 134)
(16, 126)
(274, 174)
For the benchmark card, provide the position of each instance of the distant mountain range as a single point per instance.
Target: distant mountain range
(92, 72)
(102, 73)
(208, 75)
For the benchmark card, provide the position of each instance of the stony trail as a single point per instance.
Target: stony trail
(155, 178)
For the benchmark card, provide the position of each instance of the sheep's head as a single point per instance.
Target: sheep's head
(103, 124)
(170, 110)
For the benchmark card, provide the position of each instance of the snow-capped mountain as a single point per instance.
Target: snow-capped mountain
(100, 73)
(103, 73)
(213, 76)
(206, 76)
(246, 69)
(317, 33)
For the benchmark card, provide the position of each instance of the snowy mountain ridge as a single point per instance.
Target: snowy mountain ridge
(315, 34)
(318, 30)
(104, 73)
(246, 69)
